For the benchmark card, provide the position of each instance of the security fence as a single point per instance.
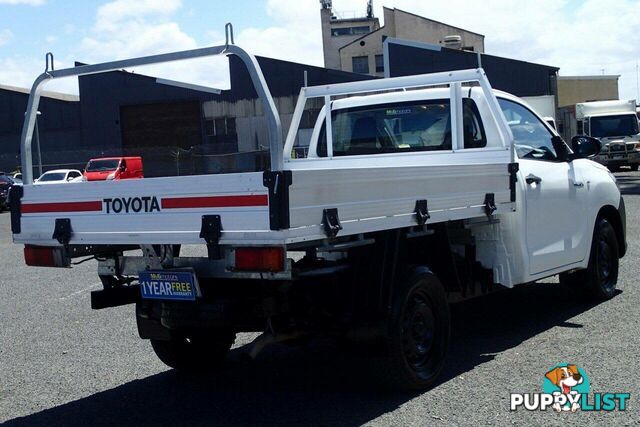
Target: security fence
(157, 161)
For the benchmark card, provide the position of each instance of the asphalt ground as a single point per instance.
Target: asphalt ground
(63, 364)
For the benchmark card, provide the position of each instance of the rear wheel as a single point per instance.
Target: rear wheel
(634, 167)
(419, 330)
(599, 279)
(196, 352)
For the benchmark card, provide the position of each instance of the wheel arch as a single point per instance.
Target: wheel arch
(612, 215)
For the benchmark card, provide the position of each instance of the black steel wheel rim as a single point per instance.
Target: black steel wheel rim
(606, 264)
(418, 331)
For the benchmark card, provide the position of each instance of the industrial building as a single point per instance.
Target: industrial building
(58, 123)
(180, 129)
(520, 78)
(356, 44)
(340, 31)
(574, 89)
(176, 127)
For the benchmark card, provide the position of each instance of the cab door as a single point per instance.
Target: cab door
(554, 196)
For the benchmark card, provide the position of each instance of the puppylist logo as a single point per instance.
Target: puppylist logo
(565, 388)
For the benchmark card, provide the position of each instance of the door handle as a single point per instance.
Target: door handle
(531, 178)
(578, 184)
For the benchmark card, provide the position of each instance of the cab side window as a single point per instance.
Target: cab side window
(472, 128)
(531, 137)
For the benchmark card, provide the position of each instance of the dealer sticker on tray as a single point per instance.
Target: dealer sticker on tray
(168, 285)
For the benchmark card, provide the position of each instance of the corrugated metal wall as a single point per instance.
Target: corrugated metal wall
(58, 125)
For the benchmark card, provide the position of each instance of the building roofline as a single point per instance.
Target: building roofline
(46, 94)
(311, 66)
(596, 77)
(433, 20)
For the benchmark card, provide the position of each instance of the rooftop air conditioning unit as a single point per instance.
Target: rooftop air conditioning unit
(453, 42)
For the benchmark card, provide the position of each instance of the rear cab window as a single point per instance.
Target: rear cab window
(413, 126)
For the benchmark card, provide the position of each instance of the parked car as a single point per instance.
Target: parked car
(108, 168)
(59, 176)
(6, 182)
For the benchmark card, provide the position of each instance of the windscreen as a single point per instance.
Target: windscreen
(52, 177)
(102, 165)
(619, 125)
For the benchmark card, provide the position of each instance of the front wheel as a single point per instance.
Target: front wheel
(419, 329)
(634, 167)
(600, 278)
(194, 353)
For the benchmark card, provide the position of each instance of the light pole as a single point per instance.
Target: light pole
(637, 84)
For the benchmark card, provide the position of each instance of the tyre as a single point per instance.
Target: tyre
(598, 281)
(196, 353)
(419, 330)
(634, 167)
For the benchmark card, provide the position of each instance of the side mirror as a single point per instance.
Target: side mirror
(585, 146)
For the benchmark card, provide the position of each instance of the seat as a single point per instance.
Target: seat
(365, 137)
(468, 134)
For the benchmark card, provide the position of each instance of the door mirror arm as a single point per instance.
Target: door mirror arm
(562, 151)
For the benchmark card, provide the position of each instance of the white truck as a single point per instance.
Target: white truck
(544, 106)
(615, 123)
(433, 189)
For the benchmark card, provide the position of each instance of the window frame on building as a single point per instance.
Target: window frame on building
(379, 63)
(364, 63)
(358, 30)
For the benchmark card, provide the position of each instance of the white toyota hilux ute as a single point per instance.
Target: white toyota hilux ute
(412, 193)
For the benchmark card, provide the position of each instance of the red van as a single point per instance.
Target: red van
(107, 168)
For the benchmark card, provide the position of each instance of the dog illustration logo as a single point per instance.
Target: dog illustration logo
(568, 380)
(566, 388)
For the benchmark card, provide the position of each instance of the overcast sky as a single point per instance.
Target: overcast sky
(580, 37)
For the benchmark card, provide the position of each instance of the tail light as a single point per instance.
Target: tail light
(260, 259)
(45, 256)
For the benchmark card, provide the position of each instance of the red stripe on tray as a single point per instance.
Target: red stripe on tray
(28, 208)
(215, 202)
